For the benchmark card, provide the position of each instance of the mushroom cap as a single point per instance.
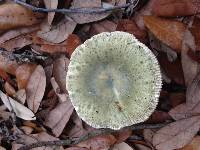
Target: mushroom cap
(113, 80)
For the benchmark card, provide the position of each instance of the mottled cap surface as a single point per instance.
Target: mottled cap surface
(113, 80)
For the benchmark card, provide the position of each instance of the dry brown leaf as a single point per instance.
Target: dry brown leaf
(102, 26)
(16, 43)
(194, 145)
(35, 88)
(195, 30)
(81, 18)
(20, 96)
(23, 74)
(121, 146)
(14, 15)
(168, 31)
(62, 96)
(58, 33)
(68, 46)
(6, 64)
(16, 32)
(9, 89)
(51, 4)
(130, 26)
(20, 110)
(174, 8)
(122, 135)
(60, 67)
(176, 135)
(59, 116)
(102, 142)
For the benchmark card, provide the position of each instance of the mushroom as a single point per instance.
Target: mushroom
(113, 80)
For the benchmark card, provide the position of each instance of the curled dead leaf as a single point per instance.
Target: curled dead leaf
(51, 4)
(35, 88)
(9, 89)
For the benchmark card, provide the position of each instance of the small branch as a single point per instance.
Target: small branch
(78, 10)
(89, 135)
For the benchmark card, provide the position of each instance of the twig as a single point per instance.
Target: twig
(89, 135)
(78, 10)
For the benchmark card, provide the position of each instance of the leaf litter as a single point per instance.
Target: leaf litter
(34, 89)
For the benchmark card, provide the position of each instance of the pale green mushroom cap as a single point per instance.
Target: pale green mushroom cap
(113, 80)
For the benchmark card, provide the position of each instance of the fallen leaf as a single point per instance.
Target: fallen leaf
(23, 74)
(102, 26)
(73, 41)
(60, 67)
(195, 31)
(35, 88)
(16, 43)
(177, 134)
(51, 4)
(102, 142)
(81, 18)
(9, 89)
(174, 8)
(20, 110)
(193, 145)
(59, 116)
(20, 96)
(130, 26)
(168, 31)
(2, 148)
(14, 15)
(121, 146)
(58, 33)
(142, 147)
(122, 135)
(62, 96)
(17, 32)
